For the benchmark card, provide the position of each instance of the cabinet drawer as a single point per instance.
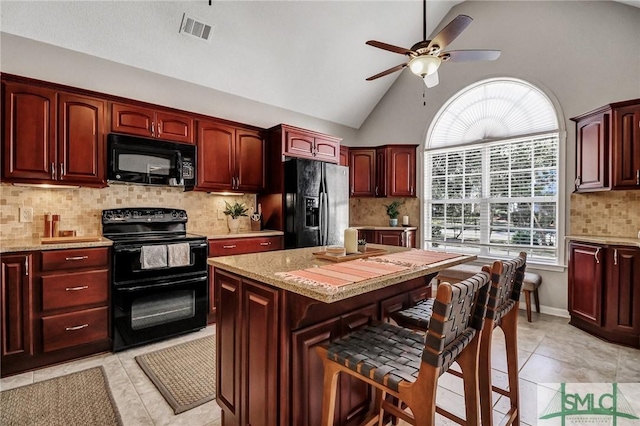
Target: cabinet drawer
(69, 290)
(76, 328)
(229, 247)
(74, 259)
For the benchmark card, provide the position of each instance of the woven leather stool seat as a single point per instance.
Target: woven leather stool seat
(417, 317)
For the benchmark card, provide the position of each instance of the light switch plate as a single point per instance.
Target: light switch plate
(26, 214)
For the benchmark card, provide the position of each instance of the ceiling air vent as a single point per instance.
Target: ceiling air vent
(195, 28)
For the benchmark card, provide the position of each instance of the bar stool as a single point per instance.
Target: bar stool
(502, 311)
(405, 364)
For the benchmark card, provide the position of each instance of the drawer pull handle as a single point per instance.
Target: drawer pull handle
(81, 287)
(77, 258)
(596, 255)
(77, 327)
(268, 243)
(229, 247)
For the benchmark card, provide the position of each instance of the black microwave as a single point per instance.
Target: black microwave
(145, 161)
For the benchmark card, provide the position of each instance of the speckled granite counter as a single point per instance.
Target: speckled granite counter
(386, 228)
(241, 234)
(263, 267)
(30, 244)
(614, 241)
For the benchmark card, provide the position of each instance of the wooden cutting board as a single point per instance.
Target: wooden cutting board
(62, 240)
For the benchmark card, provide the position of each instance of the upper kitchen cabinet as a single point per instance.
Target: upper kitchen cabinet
(230, 158)
(35, 152)
(166, 125)
(385, 171)
(608, 148)
(344, 156)
(303, 143)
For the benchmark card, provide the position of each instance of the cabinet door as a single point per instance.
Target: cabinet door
(299, 145)
(16, 305)
(308, 373)
(592, 147)
(327, 150)
(132, 120)
(81, 154)
(174, 127)
(626, 147)
(390, 238)
(250, 161)
(585, 282)
(344, 156)
(362, 172)
(216, 155)
(259, 354)
(381, 189)
(622, 295)
(368, 235)
(29, 139)
(401, 172)
(228, 316)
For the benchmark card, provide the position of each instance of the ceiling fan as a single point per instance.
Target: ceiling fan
(426, 56)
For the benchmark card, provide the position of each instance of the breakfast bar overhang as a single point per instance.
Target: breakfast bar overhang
(274, 308)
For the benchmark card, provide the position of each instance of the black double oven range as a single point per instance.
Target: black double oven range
(159, 285)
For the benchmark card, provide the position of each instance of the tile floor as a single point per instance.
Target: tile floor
(550, 351)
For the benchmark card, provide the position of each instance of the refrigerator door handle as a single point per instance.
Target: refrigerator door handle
(321, 217)
(325, 205)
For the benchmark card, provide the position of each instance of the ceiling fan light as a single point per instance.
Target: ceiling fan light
(424, 65)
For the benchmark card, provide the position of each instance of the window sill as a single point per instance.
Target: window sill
(531, 265)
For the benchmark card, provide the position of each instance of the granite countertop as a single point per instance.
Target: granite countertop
(34, 244)
(598, 239)
(242, 234)
(263, 267)
(384, 228)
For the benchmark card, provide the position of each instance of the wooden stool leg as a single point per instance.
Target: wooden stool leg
(484, 374)
(331, 371)
(527, 299)
(468, 362)
(535, 297)
(510, 328)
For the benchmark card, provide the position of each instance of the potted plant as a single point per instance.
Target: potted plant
(392, 212)
(362, 245)
(234, 211)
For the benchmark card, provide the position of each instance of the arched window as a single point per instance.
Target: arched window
(491, 172)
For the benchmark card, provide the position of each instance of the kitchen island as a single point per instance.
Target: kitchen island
(272, 314)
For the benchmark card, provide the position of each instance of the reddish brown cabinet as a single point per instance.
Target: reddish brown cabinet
(16, 307)
(391, 237)
(230, 158)
(604, 291)
(608, 148)
(233, 246)
(344, 156)
(302, 143)
(386, 171)
(151, 123)
(35, 152)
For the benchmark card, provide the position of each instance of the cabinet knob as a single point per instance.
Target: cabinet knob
(229, 247)
(577, 182)
(596, 255)
(78, 288)
(26, 266)
(77, 327)
(638, 177)
(53, 171)
(76, 258)
(159, 128)
(268, 243)
(153, 128)
(615, 257)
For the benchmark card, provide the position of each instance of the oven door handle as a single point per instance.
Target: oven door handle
(170, 284)
(137, 248)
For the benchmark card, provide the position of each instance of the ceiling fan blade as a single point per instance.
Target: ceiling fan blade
(389, 71)
(470, 55)
(431, 80)
(451, 31)
(389, 47)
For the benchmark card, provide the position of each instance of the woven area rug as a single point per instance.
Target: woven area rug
(184, 374)
(81, 399)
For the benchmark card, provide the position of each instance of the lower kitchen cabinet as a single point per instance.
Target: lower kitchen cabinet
(604, 291)
(233, 246)
(391, 237)
(54, 307)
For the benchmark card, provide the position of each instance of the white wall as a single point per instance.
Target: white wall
(30, 58)
(583, 54)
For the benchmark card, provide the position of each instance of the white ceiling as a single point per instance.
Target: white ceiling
(304, 56)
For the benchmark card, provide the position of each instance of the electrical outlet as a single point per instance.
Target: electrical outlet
(220, 214)
(26, 214)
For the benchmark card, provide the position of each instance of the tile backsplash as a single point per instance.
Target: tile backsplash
(80, 209)
(607, 213)
(372, 211)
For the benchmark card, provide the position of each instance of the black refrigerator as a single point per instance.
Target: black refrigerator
(316, 203)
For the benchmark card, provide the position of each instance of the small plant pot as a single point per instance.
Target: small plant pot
(233, 225)
(393, 222)
(362, 248)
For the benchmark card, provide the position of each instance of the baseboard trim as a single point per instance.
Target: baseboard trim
(556, 312)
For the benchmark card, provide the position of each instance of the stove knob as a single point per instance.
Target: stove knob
(183, 215)
(108, 215)
(127, 214)
(174, 214)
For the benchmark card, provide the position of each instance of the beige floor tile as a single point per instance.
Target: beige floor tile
(542, 369)
(628, 366)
